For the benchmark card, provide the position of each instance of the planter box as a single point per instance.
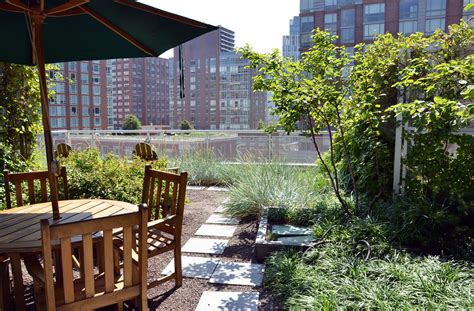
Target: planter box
(264, 247)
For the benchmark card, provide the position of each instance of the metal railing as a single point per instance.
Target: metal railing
(224, 145)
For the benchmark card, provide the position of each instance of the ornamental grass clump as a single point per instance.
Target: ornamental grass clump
(273, 184)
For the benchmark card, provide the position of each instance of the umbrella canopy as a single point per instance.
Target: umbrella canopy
(35, 32)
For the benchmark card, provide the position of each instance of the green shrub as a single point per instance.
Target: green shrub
(114, 178)
(331, 277)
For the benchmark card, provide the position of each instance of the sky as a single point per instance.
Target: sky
(260, 23)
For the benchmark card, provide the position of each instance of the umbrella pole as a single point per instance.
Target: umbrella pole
(53, 167)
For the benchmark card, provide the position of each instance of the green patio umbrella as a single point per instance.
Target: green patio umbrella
(35, 32)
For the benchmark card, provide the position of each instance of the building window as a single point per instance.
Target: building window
(85, 111)
(307, 23)
(74, 122)
(433, 24)
(408, 27)
(84, 67)
(72, 66)
(97, 122)
(330, 3)
(73, 99)
(374, 20)
(85, 100)
(306, 5)
(96, 68)
(408, 9)
(468, 15)
(97, 100)
(348, 26)
(330, 23)
(435, 15)
(96, 89)
(97, 111)
(84, 89)
(73, 88)
(435, 8)
(73, 111)
(85, 122)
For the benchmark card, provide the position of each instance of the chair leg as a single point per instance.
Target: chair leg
(177, 265)
(4, 284)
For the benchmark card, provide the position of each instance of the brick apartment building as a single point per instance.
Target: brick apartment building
(356, 21)
(217, 88)
(140, 87)
(82, 97)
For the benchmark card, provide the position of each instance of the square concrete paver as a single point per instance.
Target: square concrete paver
(222, 220)
(238, 273)
(205, 246)
(194, 267)
(211, 301)
(291, 230)
(226, 231)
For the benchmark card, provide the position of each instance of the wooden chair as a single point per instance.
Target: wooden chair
(62, 150)
(41, 177)
(94, 290)
(164, 193)
(145, 152)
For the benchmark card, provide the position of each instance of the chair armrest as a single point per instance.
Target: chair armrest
(35, 269)
(161, 223)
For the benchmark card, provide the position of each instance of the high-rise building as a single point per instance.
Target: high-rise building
(81, 96)
(356, 21)
(141, 89)
(291, 42)
(240, 108)
(217, 91)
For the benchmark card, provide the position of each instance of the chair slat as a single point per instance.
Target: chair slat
(173, 199)
(156, 207)
(66, 259)
(166, 195)
(127, 256)
(151, 198)
(88, 265)
(108, 261)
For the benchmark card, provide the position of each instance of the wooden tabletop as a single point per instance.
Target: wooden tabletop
(20, 227)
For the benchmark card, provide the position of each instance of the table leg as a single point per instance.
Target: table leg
(18, 287)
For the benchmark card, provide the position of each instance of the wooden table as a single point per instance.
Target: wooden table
(20, 229)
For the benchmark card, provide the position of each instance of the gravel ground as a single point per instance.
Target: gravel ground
(202, 203)
(240, 249)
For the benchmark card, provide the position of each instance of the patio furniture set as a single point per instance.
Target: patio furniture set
(96, 253)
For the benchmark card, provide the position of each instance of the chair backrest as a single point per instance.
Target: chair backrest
(62, 150)
(164, 193)
(97, 290)
(145, 152)
(30, 179)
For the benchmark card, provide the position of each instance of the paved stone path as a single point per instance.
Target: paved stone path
(217, 271)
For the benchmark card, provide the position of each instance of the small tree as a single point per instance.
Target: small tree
(131, 122)
(186, 125)
(260, 125)
(311, 91)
